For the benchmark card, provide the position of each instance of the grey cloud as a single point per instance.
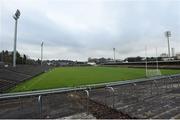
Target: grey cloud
(126, 25)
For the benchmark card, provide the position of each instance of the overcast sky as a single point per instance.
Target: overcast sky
(78, 29)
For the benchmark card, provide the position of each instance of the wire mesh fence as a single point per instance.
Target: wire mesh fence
(43, 106)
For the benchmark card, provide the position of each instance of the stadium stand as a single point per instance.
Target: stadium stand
(152, 99)
(150, 64)
(28, 69)
(11, 76)
(5, 84)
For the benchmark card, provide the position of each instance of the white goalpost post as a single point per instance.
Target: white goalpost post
(146, 59)
(157, 64)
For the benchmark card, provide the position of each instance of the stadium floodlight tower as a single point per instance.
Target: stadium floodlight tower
(168, 34)
(42, 44)
(16, 17)
(114, 54)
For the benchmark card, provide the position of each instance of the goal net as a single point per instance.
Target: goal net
(152, 64)
(153, 72)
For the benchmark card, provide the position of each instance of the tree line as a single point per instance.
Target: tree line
(7, 57)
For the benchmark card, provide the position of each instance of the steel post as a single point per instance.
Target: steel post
(15, 40)
(87, 101)
(112, 89)
(40, 105)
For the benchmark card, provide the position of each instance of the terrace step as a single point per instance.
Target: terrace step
(171, 113)
(173, 102)
(135, 103)
(148, 107)
(177, 116)
(155, 106)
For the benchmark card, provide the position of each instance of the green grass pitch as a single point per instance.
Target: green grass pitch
(76, 76)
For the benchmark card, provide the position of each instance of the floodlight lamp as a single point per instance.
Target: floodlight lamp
(17, 14)
(14, 17)
(168, 33)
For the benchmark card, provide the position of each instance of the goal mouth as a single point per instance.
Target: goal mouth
(153, 73)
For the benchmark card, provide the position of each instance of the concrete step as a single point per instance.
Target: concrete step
(177, 116)
(143, 109)
(168, 114)
(153, 107)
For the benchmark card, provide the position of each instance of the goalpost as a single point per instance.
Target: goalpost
(152, 72)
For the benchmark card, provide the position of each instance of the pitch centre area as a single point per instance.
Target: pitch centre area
(76, 76)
